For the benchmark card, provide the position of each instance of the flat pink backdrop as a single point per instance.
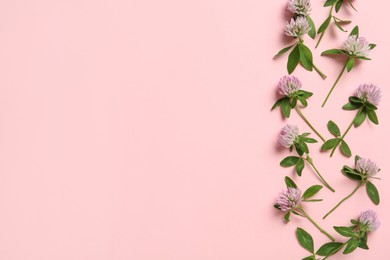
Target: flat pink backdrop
(142, 130)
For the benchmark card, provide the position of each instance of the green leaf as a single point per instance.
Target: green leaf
(351, 246)
(345, 231)
(333, 128)
(324, 25)
(289, 161)
(306, 57)
(353, 7)
(355, 31)
(373, 193)
(304, 94)
(372, 116)
(277, 103)
(305, 240)
(363, 242)
(312, 31)
(351, 173)
(330, 2)
(332, 51)
(277, 206)
(330, 248)
(372, 46)
(304, 147)
(338, 5)
(293, 60)
(370, 106)
(356, 100)
(300, 166)
(357, 158)
(287, 216)
(303, 101)
(345, 149)
(309, 140)
(311, 191)
(350, 64)
(330, 144)
(286, 107)
(284, 50)
(290, 183)
(360, 117)
(338, 25)
(311, 257)
(351, 106)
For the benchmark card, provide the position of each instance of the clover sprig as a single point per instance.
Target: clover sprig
(364, 171)
(355, 48)
(334, 5)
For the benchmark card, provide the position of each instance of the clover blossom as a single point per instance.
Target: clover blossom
(299, 7)
(298, 27)
(369, 220)
(288, 135)
(366, 167)
(289, 199)
(369, 93)
(357, 46)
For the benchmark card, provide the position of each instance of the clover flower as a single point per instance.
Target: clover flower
(367, 167)
(369, 93)
(288, 135)
(289, 85)
(290, 199)
(299, 7)
(369, 220)
(357, 46)
(298, 27)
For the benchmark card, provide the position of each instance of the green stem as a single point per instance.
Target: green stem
(310, 161)
(322, 34)
(308, 123)
(334, 85)
(347, 197)
(319, 71)
(317, 226)
(343, 136)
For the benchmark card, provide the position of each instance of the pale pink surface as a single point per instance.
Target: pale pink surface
(142, 130)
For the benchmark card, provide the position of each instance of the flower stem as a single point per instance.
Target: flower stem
(310, 161)
(347, 197)
(334, 85)
(322, 34)
(308, 123)
(323, 76)
(343, 136)
(317, 226)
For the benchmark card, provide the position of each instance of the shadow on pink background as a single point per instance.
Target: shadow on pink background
(142, 130)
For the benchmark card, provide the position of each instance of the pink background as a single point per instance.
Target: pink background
(142, 130)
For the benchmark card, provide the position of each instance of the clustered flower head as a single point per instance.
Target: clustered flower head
(357, 46)
(367, 167)
(299, 7)
(289, 199)
(369, 220)
(298, 27)
(369, 93)
(288, 135)
(289, 85)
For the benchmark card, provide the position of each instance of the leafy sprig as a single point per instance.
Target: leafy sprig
(365, 110)
(350, 63)
(299, 211)
(302, 149)
(363, 179)
(289, 103)
(334, 5)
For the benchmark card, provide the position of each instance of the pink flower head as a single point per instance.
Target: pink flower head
(367, 167)
(298, 27)
(369, 93)
(357, 46)
(290, 199)
(288, 85)
(288, 135)
(299, 7)
(369, 220)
